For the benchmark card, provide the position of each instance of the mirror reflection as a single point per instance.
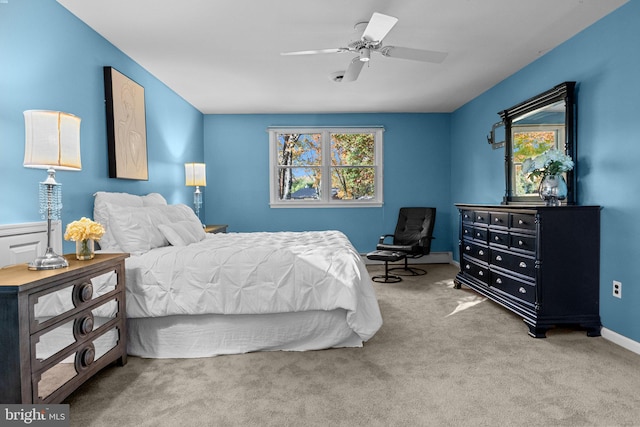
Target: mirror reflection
(531, 135)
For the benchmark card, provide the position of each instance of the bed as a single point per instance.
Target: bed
(192, 294)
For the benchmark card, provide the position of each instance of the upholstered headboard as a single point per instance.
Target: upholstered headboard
(22, 243)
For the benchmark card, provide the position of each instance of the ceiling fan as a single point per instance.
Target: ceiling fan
(371, 41)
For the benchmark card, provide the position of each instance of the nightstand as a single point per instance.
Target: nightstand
(216, 228)
(59, 327)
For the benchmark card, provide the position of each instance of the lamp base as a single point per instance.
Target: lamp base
(49, 261)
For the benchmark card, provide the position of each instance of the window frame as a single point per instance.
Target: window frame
(325, 187)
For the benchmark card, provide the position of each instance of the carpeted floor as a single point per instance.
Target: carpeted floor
(444, 357)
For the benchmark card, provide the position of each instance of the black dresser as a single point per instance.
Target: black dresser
(542, 263)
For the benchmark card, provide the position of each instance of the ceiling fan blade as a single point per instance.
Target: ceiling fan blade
(413, 54)
(378, 27)
(314, 52)
(353, 71)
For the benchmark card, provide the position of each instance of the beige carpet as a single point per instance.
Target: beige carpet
(444, 357)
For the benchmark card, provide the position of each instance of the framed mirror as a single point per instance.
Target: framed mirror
(546, 121)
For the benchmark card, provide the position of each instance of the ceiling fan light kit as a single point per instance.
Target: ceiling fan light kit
(371, 41)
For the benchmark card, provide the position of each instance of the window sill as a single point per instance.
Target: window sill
(312, 205)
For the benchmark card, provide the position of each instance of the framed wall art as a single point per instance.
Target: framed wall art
(126, 126)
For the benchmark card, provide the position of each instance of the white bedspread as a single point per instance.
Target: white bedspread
(255, 273)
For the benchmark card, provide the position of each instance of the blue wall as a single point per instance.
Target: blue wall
(51, 60)
(605, 62)
(416, 173)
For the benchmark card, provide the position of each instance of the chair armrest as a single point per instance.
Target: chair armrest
(383, 237)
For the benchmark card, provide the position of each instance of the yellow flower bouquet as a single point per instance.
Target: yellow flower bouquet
(84, 232)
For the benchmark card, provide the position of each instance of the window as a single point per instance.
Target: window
(325, 167)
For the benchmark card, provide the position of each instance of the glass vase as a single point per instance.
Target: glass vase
(85, 249)
(553, 190)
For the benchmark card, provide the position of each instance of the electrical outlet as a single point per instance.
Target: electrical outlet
(617, 289)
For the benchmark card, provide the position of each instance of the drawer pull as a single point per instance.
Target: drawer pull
(467, 248)
(520, 242)
(83, 325)
(480, 218)
(497, 238)
(523, 264)
(520, 222)
(499, 281)
(480, 252)
(478, 234)
(522, 290)
(466, 231)
(496, 220)
(498, 258)
(82, 293)
(86, 356)
(468, 267)
(480, 273)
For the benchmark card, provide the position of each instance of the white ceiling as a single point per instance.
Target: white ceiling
(223, 56)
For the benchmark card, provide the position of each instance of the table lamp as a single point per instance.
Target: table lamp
(196, 176)
(52, 142)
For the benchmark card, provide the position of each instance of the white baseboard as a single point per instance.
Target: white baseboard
(432, 258)
(621, 340)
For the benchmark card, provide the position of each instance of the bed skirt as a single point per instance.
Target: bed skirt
(208, 335)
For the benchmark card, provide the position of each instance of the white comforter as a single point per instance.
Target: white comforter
(251, 273)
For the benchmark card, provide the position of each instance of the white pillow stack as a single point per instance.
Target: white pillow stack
(136, 224)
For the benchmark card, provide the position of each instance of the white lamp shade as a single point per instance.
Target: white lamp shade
(52, 140)
(195, 174)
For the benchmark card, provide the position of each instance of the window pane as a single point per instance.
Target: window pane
(297, 149)
(299, 183)
(352, 183)
(352, 149)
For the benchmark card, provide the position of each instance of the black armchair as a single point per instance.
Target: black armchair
(413, 235)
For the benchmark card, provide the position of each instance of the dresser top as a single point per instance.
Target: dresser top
(518, 207)
(19, 275)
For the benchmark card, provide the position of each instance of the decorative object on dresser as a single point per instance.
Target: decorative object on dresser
(546, 121)
(84, 232)
(196, 176)
(550, 165)
(59, 327)
(52, 141)
(542, 263)
(218, 228)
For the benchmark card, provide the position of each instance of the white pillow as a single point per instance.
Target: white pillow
(100, 214)
(182, 233)
(134, 229)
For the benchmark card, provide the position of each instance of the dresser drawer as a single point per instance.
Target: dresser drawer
(499, 219)
(77, 365)
(475, 270)
(524, 291)
(475, 250)
(499, 238)
(481, 217)
(522, 242)
(50, 306)
(523, 221)
(516, 263)
(476, 233)
(467, 216)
